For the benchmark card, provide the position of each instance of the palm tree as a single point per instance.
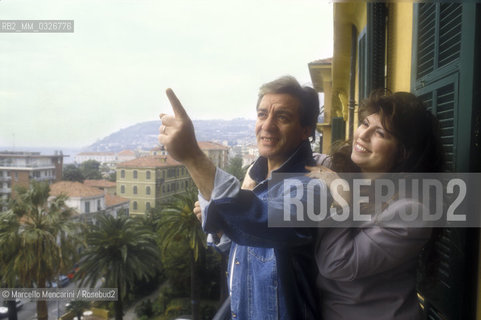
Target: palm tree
(178, 222)
(9, 246)
(120, 250)
(39, 236)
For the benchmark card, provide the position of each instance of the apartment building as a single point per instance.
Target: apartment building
(150, 181)
(19, 168)
(217, 153)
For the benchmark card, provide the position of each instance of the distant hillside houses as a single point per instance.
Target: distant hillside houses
(249, 153)
(106, 158)
(217, 153)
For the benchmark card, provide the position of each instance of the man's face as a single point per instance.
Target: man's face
(278, 128)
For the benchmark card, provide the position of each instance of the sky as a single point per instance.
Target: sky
(71, 89)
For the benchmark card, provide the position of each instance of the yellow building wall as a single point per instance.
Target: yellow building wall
(400, 31)
(398, 57)
(346, 14)
(158, 192)
(326, 130)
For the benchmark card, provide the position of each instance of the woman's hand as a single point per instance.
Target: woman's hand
(328, 176)
(197, 211)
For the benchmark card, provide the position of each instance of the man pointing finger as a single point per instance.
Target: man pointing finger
(178, 137)
(271, 271)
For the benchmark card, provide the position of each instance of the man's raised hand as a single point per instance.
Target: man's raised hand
(177, 132)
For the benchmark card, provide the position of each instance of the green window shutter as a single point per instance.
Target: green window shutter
(450, 22)
(363, 78)
(444, 77)
(441, 98)
(438, 29)
(376, 45)
(439, 35)
(372, 50)
(426, 39)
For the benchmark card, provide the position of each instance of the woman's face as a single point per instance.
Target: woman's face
(374, 149)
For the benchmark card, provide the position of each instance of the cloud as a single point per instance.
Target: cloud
(112, 71)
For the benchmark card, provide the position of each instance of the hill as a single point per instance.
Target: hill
(144, 135)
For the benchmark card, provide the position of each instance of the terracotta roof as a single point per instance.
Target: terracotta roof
(74, 189)
(126, 153)
(149, 162)
(100, 183)
(111, 200)
(207, 145)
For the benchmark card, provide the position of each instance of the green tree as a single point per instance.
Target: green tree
(9, 246)
(72, 173)
(235, 168)
(113, 176)
(179, 223)
(39, 238)
(121, 251)
(91, 169)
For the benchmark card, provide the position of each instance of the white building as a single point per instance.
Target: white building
(86, 200)
(106, 158)
(102, 157)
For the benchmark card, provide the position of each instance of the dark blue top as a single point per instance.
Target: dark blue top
(271, 271)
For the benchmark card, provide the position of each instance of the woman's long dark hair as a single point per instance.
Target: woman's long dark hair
(415, 128)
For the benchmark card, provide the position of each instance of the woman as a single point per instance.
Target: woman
(370, 272)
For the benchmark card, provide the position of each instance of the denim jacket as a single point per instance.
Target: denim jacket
(271, 271)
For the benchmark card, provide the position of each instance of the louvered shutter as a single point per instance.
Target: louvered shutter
(441, 98)
(442, 56)
(438, 46)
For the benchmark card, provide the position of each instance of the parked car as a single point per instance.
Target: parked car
(72, 272)
(63, 280)
(3, 312)
(4, 309)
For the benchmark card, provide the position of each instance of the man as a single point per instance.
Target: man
(271, 271)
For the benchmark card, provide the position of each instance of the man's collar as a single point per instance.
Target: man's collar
(301, 157)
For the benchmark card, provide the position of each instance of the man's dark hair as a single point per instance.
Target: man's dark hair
(307, 96)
